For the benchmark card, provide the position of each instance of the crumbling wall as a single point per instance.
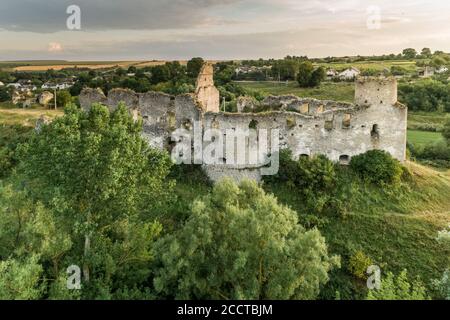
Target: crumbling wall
(307, 126)
(206, 93)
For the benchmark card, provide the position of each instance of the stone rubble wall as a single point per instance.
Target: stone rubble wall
(307, 126)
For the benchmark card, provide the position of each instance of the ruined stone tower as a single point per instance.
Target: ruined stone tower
(206, 93)
(308, 127)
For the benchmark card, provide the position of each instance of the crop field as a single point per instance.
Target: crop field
(338, 91)
(373, 65)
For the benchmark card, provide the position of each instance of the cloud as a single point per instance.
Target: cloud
(104, 15)
(55, 47)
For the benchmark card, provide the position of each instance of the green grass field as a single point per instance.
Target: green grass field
(397, 229)
(423, 137)
(11, 115)
(409, 66)
(427, 121)
(342, 91)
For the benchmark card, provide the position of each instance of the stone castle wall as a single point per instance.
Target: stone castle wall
(307, 126)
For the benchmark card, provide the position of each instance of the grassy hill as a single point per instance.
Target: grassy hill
(397, 228)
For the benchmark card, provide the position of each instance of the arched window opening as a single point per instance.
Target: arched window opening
(375, 133)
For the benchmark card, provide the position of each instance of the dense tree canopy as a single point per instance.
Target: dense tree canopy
(240, 243)
(90, 187)
(194, 66)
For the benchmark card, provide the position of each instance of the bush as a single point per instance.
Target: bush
(378, 167)
(399, 288)
(313, 178)
(358, 264)
(443, 285)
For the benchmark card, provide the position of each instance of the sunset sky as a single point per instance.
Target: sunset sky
(219, 29)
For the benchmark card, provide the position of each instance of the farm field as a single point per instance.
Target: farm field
(25, 117)
(338, 91)
(423, 137)
(373, 65)
(44, 65)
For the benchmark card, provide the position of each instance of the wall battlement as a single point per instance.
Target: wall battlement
(307, 126)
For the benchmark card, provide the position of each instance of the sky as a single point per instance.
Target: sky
(218, 29)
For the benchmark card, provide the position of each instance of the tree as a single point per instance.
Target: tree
(21, 280)
(398, 288)
(308, 76)
(160, 74)
(410, 53)
(239, 243)
(132, 69)
(285, 69)
(194, 66)
(121, 72)
(63, 98)
(5, 94)
(102, 186)
(305, 72)
(317, 77)
(438, 62)
(426, 53)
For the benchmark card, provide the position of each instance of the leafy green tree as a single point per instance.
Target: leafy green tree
(305, 72)
(438, 62)
(63, 98)
(21, 280)
(285, 69)
(5, 94)
(426, 95)
(102, 184)
(398, 288)
(177, 72)
(132, 69)
(239, 243)
(160, 74)
(317, 77)
(121, 72)
(194, 66)
(308, 76)
(410, 53)
(426, 53)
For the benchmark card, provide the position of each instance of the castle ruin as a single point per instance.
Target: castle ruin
(376, 120)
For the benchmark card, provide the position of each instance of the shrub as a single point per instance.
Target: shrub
(443, 285)
(378, 167)
(399, 288)
(313, 178)
(358, 264)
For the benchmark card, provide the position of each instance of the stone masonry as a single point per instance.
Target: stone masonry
(376, 120)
